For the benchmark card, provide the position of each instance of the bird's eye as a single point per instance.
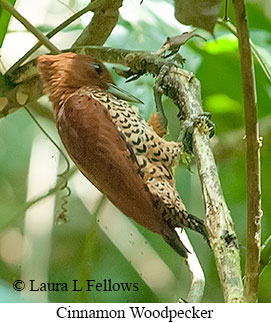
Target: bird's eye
(98, 68)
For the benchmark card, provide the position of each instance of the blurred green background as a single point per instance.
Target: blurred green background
(105, 245)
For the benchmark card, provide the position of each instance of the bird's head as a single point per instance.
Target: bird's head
(65, 73)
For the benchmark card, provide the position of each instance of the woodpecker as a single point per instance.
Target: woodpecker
(114, 147)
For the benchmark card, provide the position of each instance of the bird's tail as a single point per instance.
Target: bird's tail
(185, 220)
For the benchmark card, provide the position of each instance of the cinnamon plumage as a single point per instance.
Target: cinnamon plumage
(114, 147)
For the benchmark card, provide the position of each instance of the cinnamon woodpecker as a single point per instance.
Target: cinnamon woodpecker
(115, 148)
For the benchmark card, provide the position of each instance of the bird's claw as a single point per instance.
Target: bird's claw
(204, 125)
(159, 106)
(179, 59)
(130, 75)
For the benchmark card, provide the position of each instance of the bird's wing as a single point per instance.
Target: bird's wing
(104, 157)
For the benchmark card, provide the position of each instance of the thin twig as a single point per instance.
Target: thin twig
(49, 35)
(28, 204)
(226, 17)
(63, 175)
(254, 211)
(6, 5)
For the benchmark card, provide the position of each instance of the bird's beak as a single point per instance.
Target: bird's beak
(123, 95)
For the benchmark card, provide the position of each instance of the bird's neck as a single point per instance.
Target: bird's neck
(60, 95)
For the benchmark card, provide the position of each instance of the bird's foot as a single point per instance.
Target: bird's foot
(129, 74)
(204, 125)
(157, 123)
(158, 120)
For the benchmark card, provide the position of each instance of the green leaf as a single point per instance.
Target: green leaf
(4, 21)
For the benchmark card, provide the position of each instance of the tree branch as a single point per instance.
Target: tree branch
(49, 35)
(29, 87)
(106, 15)
(185, 92)
(254, 211)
